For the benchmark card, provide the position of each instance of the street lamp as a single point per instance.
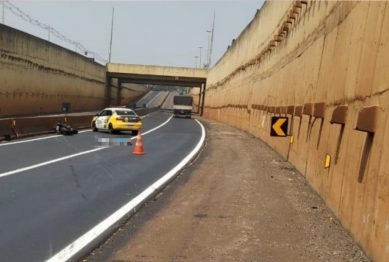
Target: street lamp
(200, 56)
(196, 60)
(209, 43)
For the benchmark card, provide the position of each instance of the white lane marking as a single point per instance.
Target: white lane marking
(74, 155)
(37, 139)
(89, 236)
(155, 128)
(48, 162)
(48, 137)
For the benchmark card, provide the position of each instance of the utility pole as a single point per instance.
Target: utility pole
(213, 31)
(110, 45)
(208, 47)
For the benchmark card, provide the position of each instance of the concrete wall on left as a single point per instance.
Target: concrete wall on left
(37, 76)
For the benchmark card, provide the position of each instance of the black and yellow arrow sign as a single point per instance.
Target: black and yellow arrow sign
(279, 126)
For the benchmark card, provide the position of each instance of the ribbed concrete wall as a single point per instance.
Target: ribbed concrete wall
(37, 76)
(131, 93)
(336, 53)
(195, 93)
(128, 94)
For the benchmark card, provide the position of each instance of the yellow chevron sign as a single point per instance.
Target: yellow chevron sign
(279, 126)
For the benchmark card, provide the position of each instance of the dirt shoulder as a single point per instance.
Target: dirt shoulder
(239, 201)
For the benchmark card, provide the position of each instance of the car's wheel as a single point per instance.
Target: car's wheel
(110, 129)
(135, 132)
(94, 129)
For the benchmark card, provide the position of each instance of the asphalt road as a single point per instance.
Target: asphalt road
(46, 208)
(152, 99)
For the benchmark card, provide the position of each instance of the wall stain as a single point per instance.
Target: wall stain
(50, 70)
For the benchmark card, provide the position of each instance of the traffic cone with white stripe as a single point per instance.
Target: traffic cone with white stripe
(138, 150)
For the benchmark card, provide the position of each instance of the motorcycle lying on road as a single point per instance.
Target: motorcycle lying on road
(65, 129)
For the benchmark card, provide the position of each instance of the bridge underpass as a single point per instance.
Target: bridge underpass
(120, 74)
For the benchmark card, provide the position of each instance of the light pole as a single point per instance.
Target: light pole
(209, 43)
(196, 61)
(110, 43)
(200, 56)
(213, 32)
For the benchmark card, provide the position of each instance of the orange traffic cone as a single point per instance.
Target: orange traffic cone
(138, 150)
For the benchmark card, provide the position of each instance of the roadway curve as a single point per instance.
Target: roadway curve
(46, 208)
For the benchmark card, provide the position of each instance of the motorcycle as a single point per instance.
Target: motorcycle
(65, 129)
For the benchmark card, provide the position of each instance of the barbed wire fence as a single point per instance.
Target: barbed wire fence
(18, 12)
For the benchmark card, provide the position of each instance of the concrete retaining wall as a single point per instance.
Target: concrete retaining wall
(311, 62)
(195, 93)
(36, 77)
(132, 93)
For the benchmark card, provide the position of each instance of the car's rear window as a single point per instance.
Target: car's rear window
(125, 113)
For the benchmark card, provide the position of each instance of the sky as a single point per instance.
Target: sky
(166, 33)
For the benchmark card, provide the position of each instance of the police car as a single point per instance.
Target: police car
(116, 119)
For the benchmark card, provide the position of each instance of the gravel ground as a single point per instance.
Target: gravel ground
(239, 201)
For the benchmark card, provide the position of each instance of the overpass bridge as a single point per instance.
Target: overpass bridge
(156, 75)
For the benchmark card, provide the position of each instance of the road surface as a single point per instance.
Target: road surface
(46, 208)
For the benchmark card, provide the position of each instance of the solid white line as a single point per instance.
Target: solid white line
(48, 162)
(155, 128)
(37, 139)
(89, 236)
(71, 156)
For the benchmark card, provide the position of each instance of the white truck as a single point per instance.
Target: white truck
(183, 106)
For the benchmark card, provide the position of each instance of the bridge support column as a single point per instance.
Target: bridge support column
(119, 93)
(107, 93)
